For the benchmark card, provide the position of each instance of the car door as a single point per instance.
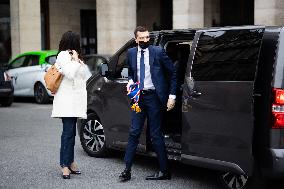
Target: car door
(28, 75)
(217, 99)
(14, 70)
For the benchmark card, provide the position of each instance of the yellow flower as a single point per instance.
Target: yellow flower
(135, 107)
(138, 109)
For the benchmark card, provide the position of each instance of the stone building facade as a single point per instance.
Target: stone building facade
(104, 25)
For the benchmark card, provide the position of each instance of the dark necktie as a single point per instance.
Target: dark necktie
(142, 70)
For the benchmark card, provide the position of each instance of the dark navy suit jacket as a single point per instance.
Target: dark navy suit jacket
(162, 70)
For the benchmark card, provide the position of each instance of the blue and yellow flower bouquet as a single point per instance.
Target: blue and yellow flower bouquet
(134, 94)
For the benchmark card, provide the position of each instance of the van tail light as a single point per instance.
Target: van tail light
(278, 109)
(7, 77)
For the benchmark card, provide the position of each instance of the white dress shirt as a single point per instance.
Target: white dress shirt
(148, 84)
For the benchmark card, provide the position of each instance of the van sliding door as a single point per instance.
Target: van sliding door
(217, 99)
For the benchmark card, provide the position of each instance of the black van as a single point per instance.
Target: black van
(229, 114)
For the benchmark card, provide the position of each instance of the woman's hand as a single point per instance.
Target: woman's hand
(74, 55)
(81, 61)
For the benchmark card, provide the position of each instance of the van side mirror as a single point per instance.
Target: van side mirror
(104, 70)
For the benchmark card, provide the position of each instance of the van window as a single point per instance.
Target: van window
(227, 55)
(120, 72)
(121, 63)
(94, 63)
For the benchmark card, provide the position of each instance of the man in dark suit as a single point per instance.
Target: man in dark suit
(149, 65)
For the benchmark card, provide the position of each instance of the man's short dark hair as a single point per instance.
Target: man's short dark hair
(139, 29)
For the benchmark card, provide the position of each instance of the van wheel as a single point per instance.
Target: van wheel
(237, 181)
(92, 136)
(233, 180)
(40, 94)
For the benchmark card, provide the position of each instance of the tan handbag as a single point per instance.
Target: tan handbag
(53, 79)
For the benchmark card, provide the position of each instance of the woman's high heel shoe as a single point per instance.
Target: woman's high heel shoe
(77, 172)
(65, 176)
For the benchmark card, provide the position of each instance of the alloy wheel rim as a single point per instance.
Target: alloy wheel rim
(93, 135)
(234, 181)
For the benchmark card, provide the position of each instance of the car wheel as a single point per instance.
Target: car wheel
(40, 94)
(92, 136)
(7, 102)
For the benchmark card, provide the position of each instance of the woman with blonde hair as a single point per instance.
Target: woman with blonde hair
(70, 101)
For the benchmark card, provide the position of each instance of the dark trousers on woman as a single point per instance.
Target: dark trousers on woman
(68, 141)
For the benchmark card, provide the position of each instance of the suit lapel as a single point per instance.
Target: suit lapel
(151, 55)
(134, 62)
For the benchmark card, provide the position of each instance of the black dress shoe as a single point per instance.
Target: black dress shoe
(66, 176)
(125, 175)
(74, 172)
(160, 176)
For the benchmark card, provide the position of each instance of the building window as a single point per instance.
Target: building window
(155, 15)
(88, 31)
(44, 17)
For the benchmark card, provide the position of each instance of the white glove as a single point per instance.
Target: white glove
(130, 82)
(171, 104)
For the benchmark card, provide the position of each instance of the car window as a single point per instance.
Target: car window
(94, 63)
(51, 59)
(227, 55)
(31, 60)
(178, 51)
(19, 62)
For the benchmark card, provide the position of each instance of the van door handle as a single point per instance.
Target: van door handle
(195, 93)
(256, 95)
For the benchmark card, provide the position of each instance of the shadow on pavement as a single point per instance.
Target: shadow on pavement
(27, 100)
(178, 169)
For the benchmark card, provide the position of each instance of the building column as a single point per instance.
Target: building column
(188, 14)
(116, 21)
(25, 26)
(269, 12)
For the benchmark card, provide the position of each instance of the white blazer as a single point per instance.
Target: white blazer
(71, 98)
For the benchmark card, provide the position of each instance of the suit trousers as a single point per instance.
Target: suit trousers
(67, 141)
(152, 110)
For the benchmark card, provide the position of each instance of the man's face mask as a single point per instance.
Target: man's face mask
(143, 44)
(143, 39)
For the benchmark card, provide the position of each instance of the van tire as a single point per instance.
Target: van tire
(244, 182)
(92, 136)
